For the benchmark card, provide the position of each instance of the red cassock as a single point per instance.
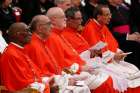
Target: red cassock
(16, 68)
(94, 32)
(65, 56)
(80, 44)
(62, 50)
(75, 39)
(41, 56)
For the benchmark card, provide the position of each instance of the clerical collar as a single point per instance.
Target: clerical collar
(99, 26)
(16, 45)
(56, 30)
(37, 36)
(72, 29)
(97, 22)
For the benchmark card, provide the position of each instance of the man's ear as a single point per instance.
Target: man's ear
(38, 28)
(52, 20)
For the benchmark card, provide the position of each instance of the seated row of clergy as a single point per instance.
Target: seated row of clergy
(18, 72)
(45, 48)
(21, 68)
(118, 70)
(18, 64)
(94, 32)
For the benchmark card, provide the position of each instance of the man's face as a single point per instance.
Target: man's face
(67, 4)
(76, 21)
(23, 35)
(7, 2)
(45, 27)
(60, 20)
(105, 17)
(76, 2)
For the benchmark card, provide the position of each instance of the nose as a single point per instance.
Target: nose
(110, 16)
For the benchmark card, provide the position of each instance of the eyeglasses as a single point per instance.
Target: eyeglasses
(23, 32)
(47, 24)
(60, 17)
(107, 14)
(75, 18)
(78, 18)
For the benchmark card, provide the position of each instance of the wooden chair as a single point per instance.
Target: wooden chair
(27, 90)
(2, 88)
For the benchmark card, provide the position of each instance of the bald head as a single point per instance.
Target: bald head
(54, 12)
(16, 27)
(57, 17)
(41, 25)
(37, 20)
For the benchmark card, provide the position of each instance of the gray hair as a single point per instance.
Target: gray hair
(70, 12)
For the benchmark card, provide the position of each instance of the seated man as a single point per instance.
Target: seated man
(70, 33)
(36, 49)
(18, 73)
(66, 55)
(122, 28)
(42, 56)
(96, 31)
